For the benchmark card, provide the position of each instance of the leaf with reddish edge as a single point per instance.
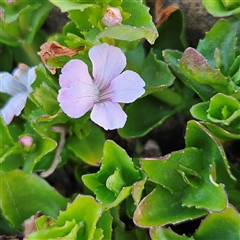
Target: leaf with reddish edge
(196, 68)
(161, 207)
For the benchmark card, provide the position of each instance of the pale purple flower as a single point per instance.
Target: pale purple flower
(17, 85)
(80, 92)
(112, 17)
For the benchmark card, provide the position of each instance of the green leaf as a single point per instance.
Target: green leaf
(206, 193)
(151, 112)
(156, 74)
(22, 21)
(223, 109)
(135, 58)
(220, 225)
(162, 233)
(128, 33)
(136, 234)
(46, 99)
(84, 209)
(171, 34)
(7, 145)
(213, 152)
(6, 54)
(89, 149)
(165, 170)
(68, 231)
(185, 168)
(222, 133)
(217, 8)
(221, 37)
(161, 207)
(138, 26)
(105, 223)
(199, 111)
(204, 91)
(44, 145)
(68, 5)
(21, 189)
(196, 68)
(105, 183)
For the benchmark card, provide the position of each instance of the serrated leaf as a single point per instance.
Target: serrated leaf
(20, 189)
(161, 207)
(212, 150)
(114, 158)
(220, 225)
(105, 223)
(164, 170)
(67, 231)
(83, 209)
(206, 193)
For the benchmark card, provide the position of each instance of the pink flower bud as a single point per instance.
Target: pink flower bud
(27, 142)
(112, 17)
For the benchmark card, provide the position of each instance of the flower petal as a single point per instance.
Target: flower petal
(76, 100)
(75, 71)
(9, 85)
(126, 87)
(108, 62)
(25, 75)
(14, 107)
(108, 115)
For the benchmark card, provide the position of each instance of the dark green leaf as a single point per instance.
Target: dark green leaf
(20, 189)
(171, 34)
(149, 111)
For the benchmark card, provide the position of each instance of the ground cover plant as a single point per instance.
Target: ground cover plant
(114, 127)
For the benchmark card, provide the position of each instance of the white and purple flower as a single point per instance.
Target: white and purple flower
(80, 92)
(17, 85)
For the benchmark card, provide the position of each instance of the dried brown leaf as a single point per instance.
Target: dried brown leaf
(54, 49)
(164, 14)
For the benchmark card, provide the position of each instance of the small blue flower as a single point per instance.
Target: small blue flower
(18, 85)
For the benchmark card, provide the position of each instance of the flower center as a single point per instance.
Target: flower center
(100, 94)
